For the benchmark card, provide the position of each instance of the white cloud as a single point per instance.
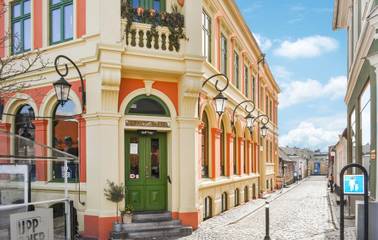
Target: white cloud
(315, 133)
(307, 47)
(303, 91)
(281, 73)
(264, 42)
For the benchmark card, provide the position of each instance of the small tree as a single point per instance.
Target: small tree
(115, 193)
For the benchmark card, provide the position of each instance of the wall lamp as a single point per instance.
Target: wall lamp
(62, 87)
(220, 99)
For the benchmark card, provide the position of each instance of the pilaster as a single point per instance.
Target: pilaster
(5, 146)
(41, 138)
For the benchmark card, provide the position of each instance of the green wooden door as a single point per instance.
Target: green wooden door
(146, 171)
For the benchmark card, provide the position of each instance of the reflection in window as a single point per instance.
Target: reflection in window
(365, 126)
(155, 158)
(21, 28)
(61, 17)
(25, 128)
(147, 106)
(223, 54)
(66, 137)
(205, 146)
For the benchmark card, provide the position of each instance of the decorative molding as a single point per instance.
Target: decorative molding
(148, 86)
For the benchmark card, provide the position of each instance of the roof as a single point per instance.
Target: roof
(283, 156)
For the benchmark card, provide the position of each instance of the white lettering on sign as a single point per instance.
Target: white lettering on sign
(36, 225)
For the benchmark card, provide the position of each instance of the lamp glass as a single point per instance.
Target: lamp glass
(62, 90)
(264, 131)
(220, 103)
(249, 120)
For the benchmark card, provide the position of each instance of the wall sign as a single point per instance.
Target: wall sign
(135, 123)
(354, 184)
(33, 225)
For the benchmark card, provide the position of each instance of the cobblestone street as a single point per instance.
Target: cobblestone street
(299, 212)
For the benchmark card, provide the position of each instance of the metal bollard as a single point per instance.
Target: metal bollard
(267, 237)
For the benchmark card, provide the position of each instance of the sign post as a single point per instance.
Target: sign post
(354, 185)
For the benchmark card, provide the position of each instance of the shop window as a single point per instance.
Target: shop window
(21, 26)
(66, 138)
(224, 201)
(246, 194)
(24, 127)
(236, 197)
(158, 5)
(205, 146)
(235, 147)
(206, 35)
(61, 21)
(222, 151)
(207, 213)
(147, 105)
(365, 130)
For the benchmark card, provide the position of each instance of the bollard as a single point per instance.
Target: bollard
(267, 237)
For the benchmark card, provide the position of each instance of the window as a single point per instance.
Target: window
(147, 105)
(266, 104)
(61, 21)
(223, 55)
(246, 194)
(254, 191)
(66, 138)
(365, 130)
(224, 201)
(207, 213)
(246, 81)
(24, 127)
(222, 151)
(236, 70)
(206, 36)
(236, 197)
(205, 146)
(254, 89)
(158, 5)
(235, 153)
(353, 135)
(21, 26)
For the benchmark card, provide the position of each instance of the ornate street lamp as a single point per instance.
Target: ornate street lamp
(249, 118)
(220, 99)
(62, 87)
(264, 121)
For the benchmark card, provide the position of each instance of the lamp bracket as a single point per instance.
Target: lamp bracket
(250, 111)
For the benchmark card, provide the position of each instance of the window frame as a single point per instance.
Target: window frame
(148, 6)
(205, 134)
(246, 80)
(224, 54)
(21, 19)
(61, 5)
(236, 69)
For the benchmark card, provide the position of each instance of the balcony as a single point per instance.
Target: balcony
(147, 29)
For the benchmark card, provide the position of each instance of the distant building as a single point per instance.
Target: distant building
(339, 152)
(318, 165)
(286, 167)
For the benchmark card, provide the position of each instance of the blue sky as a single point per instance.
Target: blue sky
(308, 60)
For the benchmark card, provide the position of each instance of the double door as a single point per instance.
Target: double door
(146, 170)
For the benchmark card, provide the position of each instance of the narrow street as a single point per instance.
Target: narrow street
(299, 212)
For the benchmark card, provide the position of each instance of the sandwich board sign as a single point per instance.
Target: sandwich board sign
(36, 225)
(354, 184)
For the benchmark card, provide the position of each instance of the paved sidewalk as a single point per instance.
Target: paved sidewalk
(300, 212)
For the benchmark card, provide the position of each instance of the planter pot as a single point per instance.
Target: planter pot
(181, 2)
(117, 227)
(127, 218)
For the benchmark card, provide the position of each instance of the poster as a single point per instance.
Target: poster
(133, 148)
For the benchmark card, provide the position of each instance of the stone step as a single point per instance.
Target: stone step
(148, 226)
(173, 233)
(151, 217)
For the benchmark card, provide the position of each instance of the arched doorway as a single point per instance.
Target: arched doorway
(146, 158)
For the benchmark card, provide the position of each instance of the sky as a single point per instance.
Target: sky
(308, 60)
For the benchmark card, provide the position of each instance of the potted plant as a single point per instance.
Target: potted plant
(115, 193)
(127, 214)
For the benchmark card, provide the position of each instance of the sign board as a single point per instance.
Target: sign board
(32, 225)
(354, 184)
(153, 124)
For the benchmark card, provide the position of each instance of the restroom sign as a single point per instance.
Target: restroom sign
(354, 184)
(36, 225)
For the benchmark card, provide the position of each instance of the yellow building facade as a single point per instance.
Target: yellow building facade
(148, 122)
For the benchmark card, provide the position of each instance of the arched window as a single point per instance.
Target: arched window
(205, 146)
(235, 143)
(224, 201)
(207, 213)
(147, 105)
(66, 137)
(236, 197)
(222, 151)
(24, 127)
(246, 194)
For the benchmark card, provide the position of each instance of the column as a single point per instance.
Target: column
(228, 154)
(240, 155)
(82, 149)
(215, 153)
(41, 138)
(5, 146)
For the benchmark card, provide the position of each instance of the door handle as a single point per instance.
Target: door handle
(169, 179)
